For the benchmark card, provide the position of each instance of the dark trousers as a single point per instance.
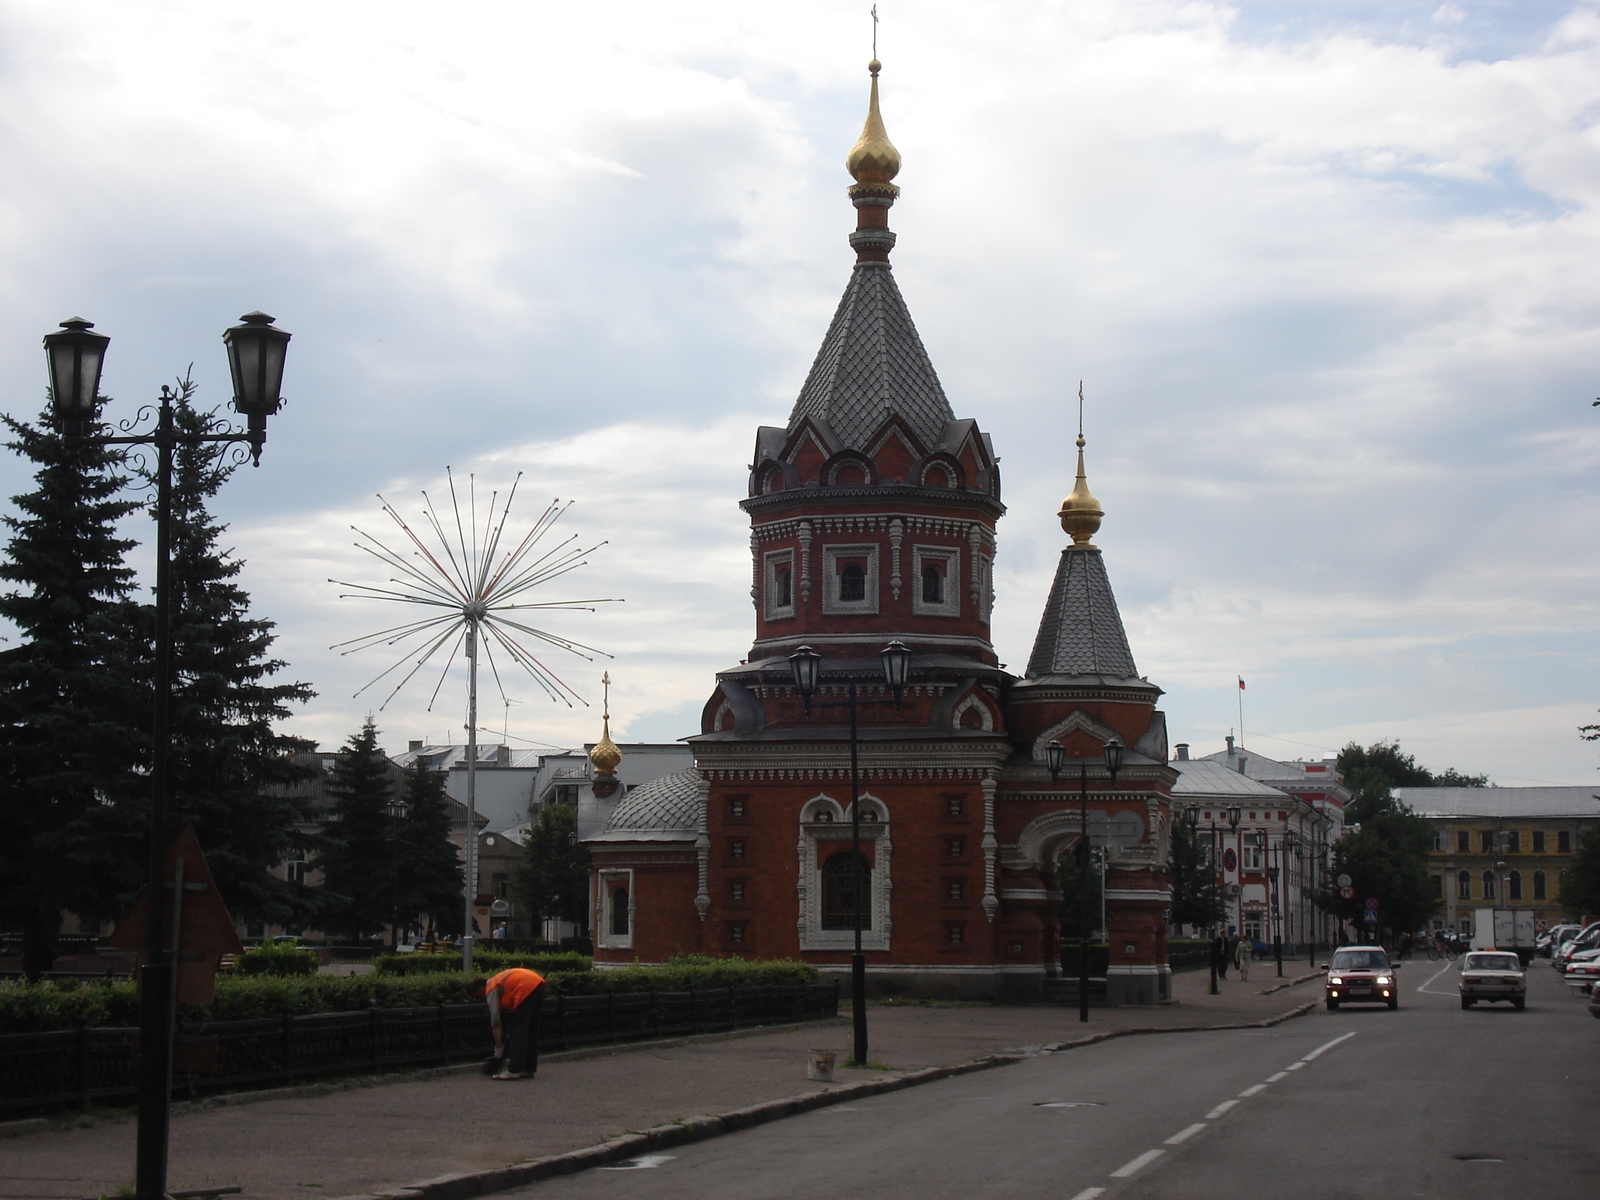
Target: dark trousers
(522, 1034)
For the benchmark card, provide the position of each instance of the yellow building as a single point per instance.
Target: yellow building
(1501, 847)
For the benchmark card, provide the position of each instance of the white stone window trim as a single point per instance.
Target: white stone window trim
(610, 880)
(949, 557)
(770, 562)
(809, 876)
(831, 604)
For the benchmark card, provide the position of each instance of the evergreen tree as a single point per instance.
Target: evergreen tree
(230, 771)
(358, 858)
(70, 700)
(1196, 899)
(553, 877)
(430, 879)
(1079, 914)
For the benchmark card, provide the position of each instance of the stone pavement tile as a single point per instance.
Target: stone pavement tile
(369, 1139)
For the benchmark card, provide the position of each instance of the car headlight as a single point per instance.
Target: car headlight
(1383, 981)
(1334, 979)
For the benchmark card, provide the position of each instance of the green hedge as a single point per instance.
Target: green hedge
(485, 961)
(36, 1008)
(279, 959)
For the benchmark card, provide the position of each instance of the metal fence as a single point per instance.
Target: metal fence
(81, 1066)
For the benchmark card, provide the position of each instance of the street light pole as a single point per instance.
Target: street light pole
(805, 666)
(1274, 871)
(1192, 816)
(75, 356)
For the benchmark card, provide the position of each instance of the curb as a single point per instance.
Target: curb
(11, 1129)
(1289, 983)
(465, 1185)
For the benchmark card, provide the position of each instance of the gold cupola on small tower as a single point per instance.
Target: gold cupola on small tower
(605, 756)
(873, 161)
(1081, 513)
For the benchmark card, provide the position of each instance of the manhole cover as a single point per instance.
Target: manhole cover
(1067, 1104)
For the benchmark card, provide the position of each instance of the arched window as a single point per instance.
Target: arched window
(839, 890)
(1538, 885)
(1514, 885)
(1464, 886)
(1488, 885)
(932, 584)
(619, 912)
(782, 588)
(852, 583)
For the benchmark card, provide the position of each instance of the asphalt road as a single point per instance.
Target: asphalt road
(1427, 1101)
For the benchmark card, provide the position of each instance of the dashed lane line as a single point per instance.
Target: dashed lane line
(1134, 1165)
(1252, 1091)
(1278, 1076)
(1326, 1046)
(1183, 1135)
(1295, 1066)
(1220, 1109)
(1089, 1194)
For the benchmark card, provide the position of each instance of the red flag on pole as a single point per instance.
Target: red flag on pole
(1241, 683)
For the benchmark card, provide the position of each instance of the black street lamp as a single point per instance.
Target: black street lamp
(1192, 816)
(1274, 915)
(805, 667)
(1233, 827)
(1055, 759)
(76, 356)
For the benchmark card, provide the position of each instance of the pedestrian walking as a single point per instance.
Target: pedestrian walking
(515, 997)
(1219, 952)
(1241, 957)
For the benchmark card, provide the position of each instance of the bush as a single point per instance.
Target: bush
(485, 961)
(39, 1007)
(277, 958)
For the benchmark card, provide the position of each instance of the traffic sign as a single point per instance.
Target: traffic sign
(1370, 916)
(1372, 904)
(1343, 881)
(1347, 893)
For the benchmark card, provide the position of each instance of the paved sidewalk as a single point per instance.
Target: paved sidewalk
(374, 1138)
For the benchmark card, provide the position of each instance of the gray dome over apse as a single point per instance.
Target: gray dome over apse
(668, 806)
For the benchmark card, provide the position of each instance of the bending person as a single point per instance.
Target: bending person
(515, 997)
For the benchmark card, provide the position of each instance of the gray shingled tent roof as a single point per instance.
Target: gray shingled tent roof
(872, 361)
(1081, 632)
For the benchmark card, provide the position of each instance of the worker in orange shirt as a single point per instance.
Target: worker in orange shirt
(515, 997)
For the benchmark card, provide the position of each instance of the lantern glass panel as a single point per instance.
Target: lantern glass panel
(256, 353)
(896, 663)
(75, 358)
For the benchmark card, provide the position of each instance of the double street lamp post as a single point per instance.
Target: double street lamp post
(1192, 816)
(805, 667)
(1056, 760)
(76, 355)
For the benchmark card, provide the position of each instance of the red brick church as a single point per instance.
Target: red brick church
(872, 518)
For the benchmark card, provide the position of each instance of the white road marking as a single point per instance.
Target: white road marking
(1220, 1109)
(1251, 1091)
(643, 1163)
(1275, 1078)
(1136, 1164)
(1089, 1194)
(1183, 1135)
(1295, 1066)
(1423, 986)
(1326, 1046)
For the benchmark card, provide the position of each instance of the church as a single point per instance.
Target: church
(872, 522)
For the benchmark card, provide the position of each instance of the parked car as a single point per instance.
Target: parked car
(1583, 973)
(1491, 975)
(1594, 1002)
(1361, 975)
(1554, 937)
(1585, 939)
(1576, 956)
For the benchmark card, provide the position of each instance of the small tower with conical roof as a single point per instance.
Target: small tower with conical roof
(605, 757)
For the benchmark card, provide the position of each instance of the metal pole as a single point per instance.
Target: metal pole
(1216, 933)
(471, 839)
(858, 961)
(156, 983)
(1083, 909)
(1277, 906)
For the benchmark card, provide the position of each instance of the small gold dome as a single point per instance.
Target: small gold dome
(1081, 512)
(605, 756)
(873, 160)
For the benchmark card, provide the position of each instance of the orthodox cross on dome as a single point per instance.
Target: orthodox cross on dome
(605, 756)
(1081, 513)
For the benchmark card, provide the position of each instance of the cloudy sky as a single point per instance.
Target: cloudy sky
(1327, 269)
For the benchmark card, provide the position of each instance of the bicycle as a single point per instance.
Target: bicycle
(1448, 950)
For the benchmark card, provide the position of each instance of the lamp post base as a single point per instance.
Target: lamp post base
(155, 1080)
(858, 1007)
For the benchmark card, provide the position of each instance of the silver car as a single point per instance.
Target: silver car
(1493, 975)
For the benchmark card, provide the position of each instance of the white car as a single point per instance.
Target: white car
(1491, 975)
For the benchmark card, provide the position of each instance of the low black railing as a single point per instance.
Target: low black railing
(82, 1066)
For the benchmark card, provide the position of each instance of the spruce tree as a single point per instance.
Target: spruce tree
(430, 879)
(358, 855)
(231, 772)
(1196, 899)
(70, 698)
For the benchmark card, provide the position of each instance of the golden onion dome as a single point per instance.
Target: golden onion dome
(605, 756)
(873, 160)
(1081, 513)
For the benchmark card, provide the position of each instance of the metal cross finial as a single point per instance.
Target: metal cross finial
(605, 682)
(1080, 408)
(874, 31)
